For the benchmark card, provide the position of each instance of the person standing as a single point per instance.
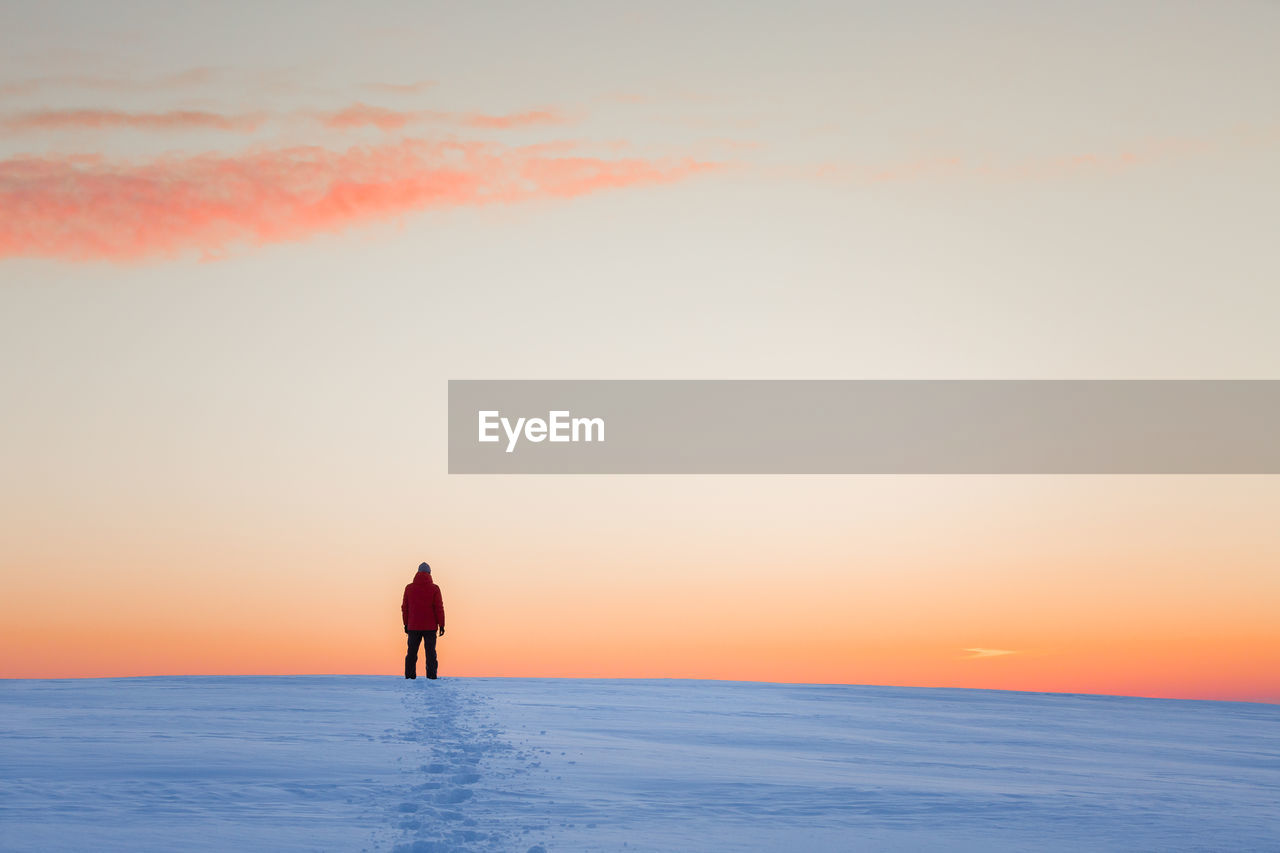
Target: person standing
(422, 611)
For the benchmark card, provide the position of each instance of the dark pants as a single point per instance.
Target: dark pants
(428, 640)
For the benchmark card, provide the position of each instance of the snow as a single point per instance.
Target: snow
(379, 763)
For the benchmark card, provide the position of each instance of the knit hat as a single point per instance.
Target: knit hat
(424, 568)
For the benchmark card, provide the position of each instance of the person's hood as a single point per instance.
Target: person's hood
(422, 577)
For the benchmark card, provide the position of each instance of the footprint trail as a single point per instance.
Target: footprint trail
(463, 775)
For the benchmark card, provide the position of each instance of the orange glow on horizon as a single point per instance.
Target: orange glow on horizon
(603, 634)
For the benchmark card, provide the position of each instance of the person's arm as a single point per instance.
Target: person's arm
(404, 609)
(440, 611)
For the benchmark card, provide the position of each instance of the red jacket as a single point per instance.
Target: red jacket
(422, 608)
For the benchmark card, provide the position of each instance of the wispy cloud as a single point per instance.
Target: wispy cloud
(348, 118)
(111, 119)
(92, 208)
(383, 118)
(363, 115)
(988, 653)
(506, 122)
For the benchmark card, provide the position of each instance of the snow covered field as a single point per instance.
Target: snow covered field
(378, 763)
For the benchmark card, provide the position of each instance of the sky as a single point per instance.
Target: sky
(244, 246)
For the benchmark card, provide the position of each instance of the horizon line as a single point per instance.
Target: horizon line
(395, 676)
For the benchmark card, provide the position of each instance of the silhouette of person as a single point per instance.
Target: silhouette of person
(422, 611)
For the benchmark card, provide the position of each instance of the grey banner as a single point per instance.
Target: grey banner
(864, 427)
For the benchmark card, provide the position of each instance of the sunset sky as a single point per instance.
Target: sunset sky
(244, 246)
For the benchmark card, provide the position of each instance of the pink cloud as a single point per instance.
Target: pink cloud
(525, 119)
(109, 119)
(363, 115)
(90, 208)
(355, 116)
